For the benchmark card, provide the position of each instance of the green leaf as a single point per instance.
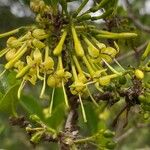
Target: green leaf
(52, 2)
(8, 92)
(58, 113)
(9, 100)
(30, 104)
(92, 119)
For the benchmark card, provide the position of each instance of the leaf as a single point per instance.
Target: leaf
(9, 100)
(8, 92)
(58, 113)
(7, 80)
(30, 104)
(92, 119)
(52, 2)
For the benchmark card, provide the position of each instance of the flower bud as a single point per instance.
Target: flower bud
(36, 137)
(35, 118)
(82, 77)
(110, 145)
(48, 64)
(13, 42)
(37, 56)
(57, 51)
(77, 44)
(146, 116)
(51, 81)
(68, 75)
(39, 34)
(108, 134)
(38, 44)
(110, 51)
(10, 54)
(93, 52)
(60, 73)
(139, 74)
(101, 45)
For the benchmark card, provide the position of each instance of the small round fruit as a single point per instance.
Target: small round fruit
(108, 134)
(110, 145)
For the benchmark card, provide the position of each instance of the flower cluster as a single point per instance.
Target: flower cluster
(34, 58)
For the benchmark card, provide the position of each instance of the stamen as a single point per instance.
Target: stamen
(44, 86)
(82, 108)
(21, 87)
(111, 68)
(52, 101)
(119, 64)
(65, 95)
(92, 98)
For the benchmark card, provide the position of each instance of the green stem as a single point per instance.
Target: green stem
(91, 138)
(9, 33)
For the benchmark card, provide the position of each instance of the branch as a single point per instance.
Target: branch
(134, 18)
(138, 50)
(131, 130)
(70, 132)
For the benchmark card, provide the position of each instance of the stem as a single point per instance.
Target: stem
(91, 138)
(9, 33)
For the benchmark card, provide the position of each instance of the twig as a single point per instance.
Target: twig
(134, 18)
(130, 131)
(138, 50)
(70, 128)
